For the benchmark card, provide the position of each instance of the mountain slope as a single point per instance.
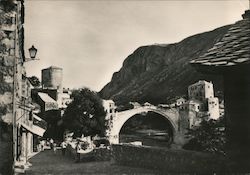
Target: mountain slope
(157, 73)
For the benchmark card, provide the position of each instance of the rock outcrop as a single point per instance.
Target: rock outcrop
(158, 73)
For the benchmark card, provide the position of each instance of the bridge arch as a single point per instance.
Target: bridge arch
(122, 117)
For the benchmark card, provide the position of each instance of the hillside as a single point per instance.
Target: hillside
(158, 73)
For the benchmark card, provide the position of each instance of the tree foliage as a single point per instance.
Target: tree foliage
(85, 114)
(53, 130)
(34, 81)
(209, 136)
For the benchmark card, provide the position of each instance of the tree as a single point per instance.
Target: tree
(209, 136)
(85, 114)
(53, 129)
(34, 81)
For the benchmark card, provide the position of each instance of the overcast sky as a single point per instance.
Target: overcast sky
(91, 39)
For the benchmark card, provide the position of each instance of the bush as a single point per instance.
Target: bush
(209, 136)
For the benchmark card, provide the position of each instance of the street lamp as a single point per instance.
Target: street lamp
(32, 52)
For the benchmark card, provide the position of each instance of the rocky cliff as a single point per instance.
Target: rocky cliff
(158, 73)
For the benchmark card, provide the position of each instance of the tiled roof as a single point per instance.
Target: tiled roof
(34, 129)
(233, 49)
(46, 98)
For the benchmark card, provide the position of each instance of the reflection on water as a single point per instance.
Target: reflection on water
(148, 137)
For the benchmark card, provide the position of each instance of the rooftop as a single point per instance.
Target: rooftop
(46, 98)
(232, 50)
(108, 101)
(52, 67)
(201, 82)
(193, 101)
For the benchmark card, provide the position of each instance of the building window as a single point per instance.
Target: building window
(30, 115)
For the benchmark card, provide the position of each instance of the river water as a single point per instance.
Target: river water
(148, 137)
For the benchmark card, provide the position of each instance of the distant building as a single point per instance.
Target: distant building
(109, 106)
(135, 104)
(213, 108)
(52, 78)
(192, 105)
(53, 93)
(64, 99)
(110, 109)
(189, 114)
(52, 86)
(180, 101)
(176, 102)
(203, 91)
(201, 104)
(46, 102)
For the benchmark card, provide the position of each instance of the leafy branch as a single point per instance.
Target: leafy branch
(209, 136)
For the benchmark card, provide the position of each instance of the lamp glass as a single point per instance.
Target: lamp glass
(32, 52)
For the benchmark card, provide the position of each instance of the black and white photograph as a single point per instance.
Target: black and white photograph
(124, 87)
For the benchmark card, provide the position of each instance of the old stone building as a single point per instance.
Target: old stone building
(64, 99)
(52, 78)
(230, 57)
(51, 96)
(11, 53)
(16, 116)
(201, 104)
(110, 109)
(203, 91)
(109, 106)
(189, 114)
(180, 101)
(52, 86)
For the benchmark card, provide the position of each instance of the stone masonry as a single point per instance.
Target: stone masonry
(11, 47)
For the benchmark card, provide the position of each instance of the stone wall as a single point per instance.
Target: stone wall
(52, 78)
(6, 98)
(11, 47)
(5, 149)
(168, 161)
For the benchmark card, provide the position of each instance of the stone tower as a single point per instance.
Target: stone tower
(52, 78)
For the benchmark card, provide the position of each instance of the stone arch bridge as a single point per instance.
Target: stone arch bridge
(118, 119)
